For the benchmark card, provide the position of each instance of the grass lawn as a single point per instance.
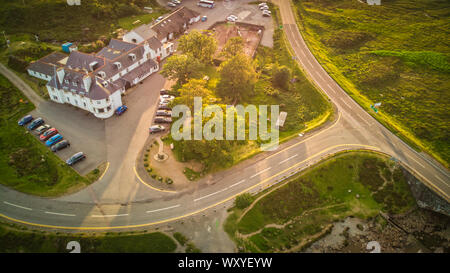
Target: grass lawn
(397, 54)
(26, 164)
(357, 184)
(18, 239)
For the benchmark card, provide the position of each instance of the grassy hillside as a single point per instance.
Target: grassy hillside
(55, 20)
(357, 184)
(21, 240)
(397, 54)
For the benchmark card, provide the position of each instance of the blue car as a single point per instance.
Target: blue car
(121, 109)
(53, 140)
(25, 120)
(36, 123)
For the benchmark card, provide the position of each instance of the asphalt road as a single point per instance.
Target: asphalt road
(120, 200)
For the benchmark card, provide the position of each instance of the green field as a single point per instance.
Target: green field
(18, 239)
(26, 164)
(357, 184)
(397, 54)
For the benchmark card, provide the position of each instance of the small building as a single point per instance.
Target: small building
(45, 67)
(73, 2)
(374, 2)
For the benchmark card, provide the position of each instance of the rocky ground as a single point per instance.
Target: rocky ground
(419, 230)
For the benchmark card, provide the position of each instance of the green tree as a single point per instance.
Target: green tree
(281, 76)
(237, 77)
(201, 46)
(243, 200)
(181, 67)
(193, 88)
(233, 47)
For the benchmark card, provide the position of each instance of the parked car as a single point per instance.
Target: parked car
(176, 2)
(53, 140)
(263, 7)
(159, 19)
(25, 120)
(42, 129)
(60, 145)
(121, 109)
(172, 5)
(164, 113)
(48, 134)
(262, 4)
(75, 158)
(166, 97)
(163, 120)
(36, 123)
(164, 92)
(204, 18)
(232, 18)
(266, 13)
(164, 107)
(156, 129)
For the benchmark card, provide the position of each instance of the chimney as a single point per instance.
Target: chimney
(60, 74)
(87, 82)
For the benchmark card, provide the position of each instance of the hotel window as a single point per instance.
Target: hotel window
(101, 110)
(55, 97)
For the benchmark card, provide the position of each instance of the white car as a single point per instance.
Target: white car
(232, 18)
(267, 11)
(263, 7)
(262, 4)
(166, 97)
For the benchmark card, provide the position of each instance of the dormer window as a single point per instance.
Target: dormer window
(66, 81)
(132, 56)
(118, 65)
(74, 83)
(105, 84)
(101, 74)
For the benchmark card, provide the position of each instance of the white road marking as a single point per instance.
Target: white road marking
(150, 211)
(417, 162)
(111, 215)
(346, 104)
(258, 173)
(195, 200)
(439, 178)
(289, 158)
(235, 184)
(62, 214)
(14, 205)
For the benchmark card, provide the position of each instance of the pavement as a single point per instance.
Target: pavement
(121, 201)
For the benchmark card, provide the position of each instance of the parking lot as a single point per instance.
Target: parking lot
(84, 132)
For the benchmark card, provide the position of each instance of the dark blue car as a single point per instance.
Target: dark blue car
(36, 123)
(53, 140)
(26, 119)
(121, 109)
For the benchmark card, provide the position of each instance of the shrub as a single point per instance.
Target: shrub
(281, 76)
(244, 200)
(145, 164)
(180, 238)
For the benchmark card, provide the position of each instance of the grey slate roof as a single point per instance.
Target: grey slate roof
(174, 22)
(115, 48)
(80, 61)
(144, 31)
(48, 64)
(154, 43)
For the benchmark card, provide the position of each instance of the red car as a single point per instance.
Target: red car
(48, 134)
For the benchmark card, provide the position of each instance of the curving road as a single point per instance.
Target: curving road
(120, 200)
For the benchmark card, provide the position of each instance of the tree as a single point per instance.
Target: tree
(201, 46)
(194, 88)
(181, 67)
(237, 77)
(243, 200)
(281, 76)
(233, 47)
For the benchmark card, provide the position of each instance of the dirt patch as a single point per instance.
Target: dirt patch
(251, 35)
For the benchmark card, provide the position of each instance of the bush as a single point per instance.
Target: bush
(180, 238)
(17, 64)
(348, 39)
(145, 164)
(281, 76)
(244, 200)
